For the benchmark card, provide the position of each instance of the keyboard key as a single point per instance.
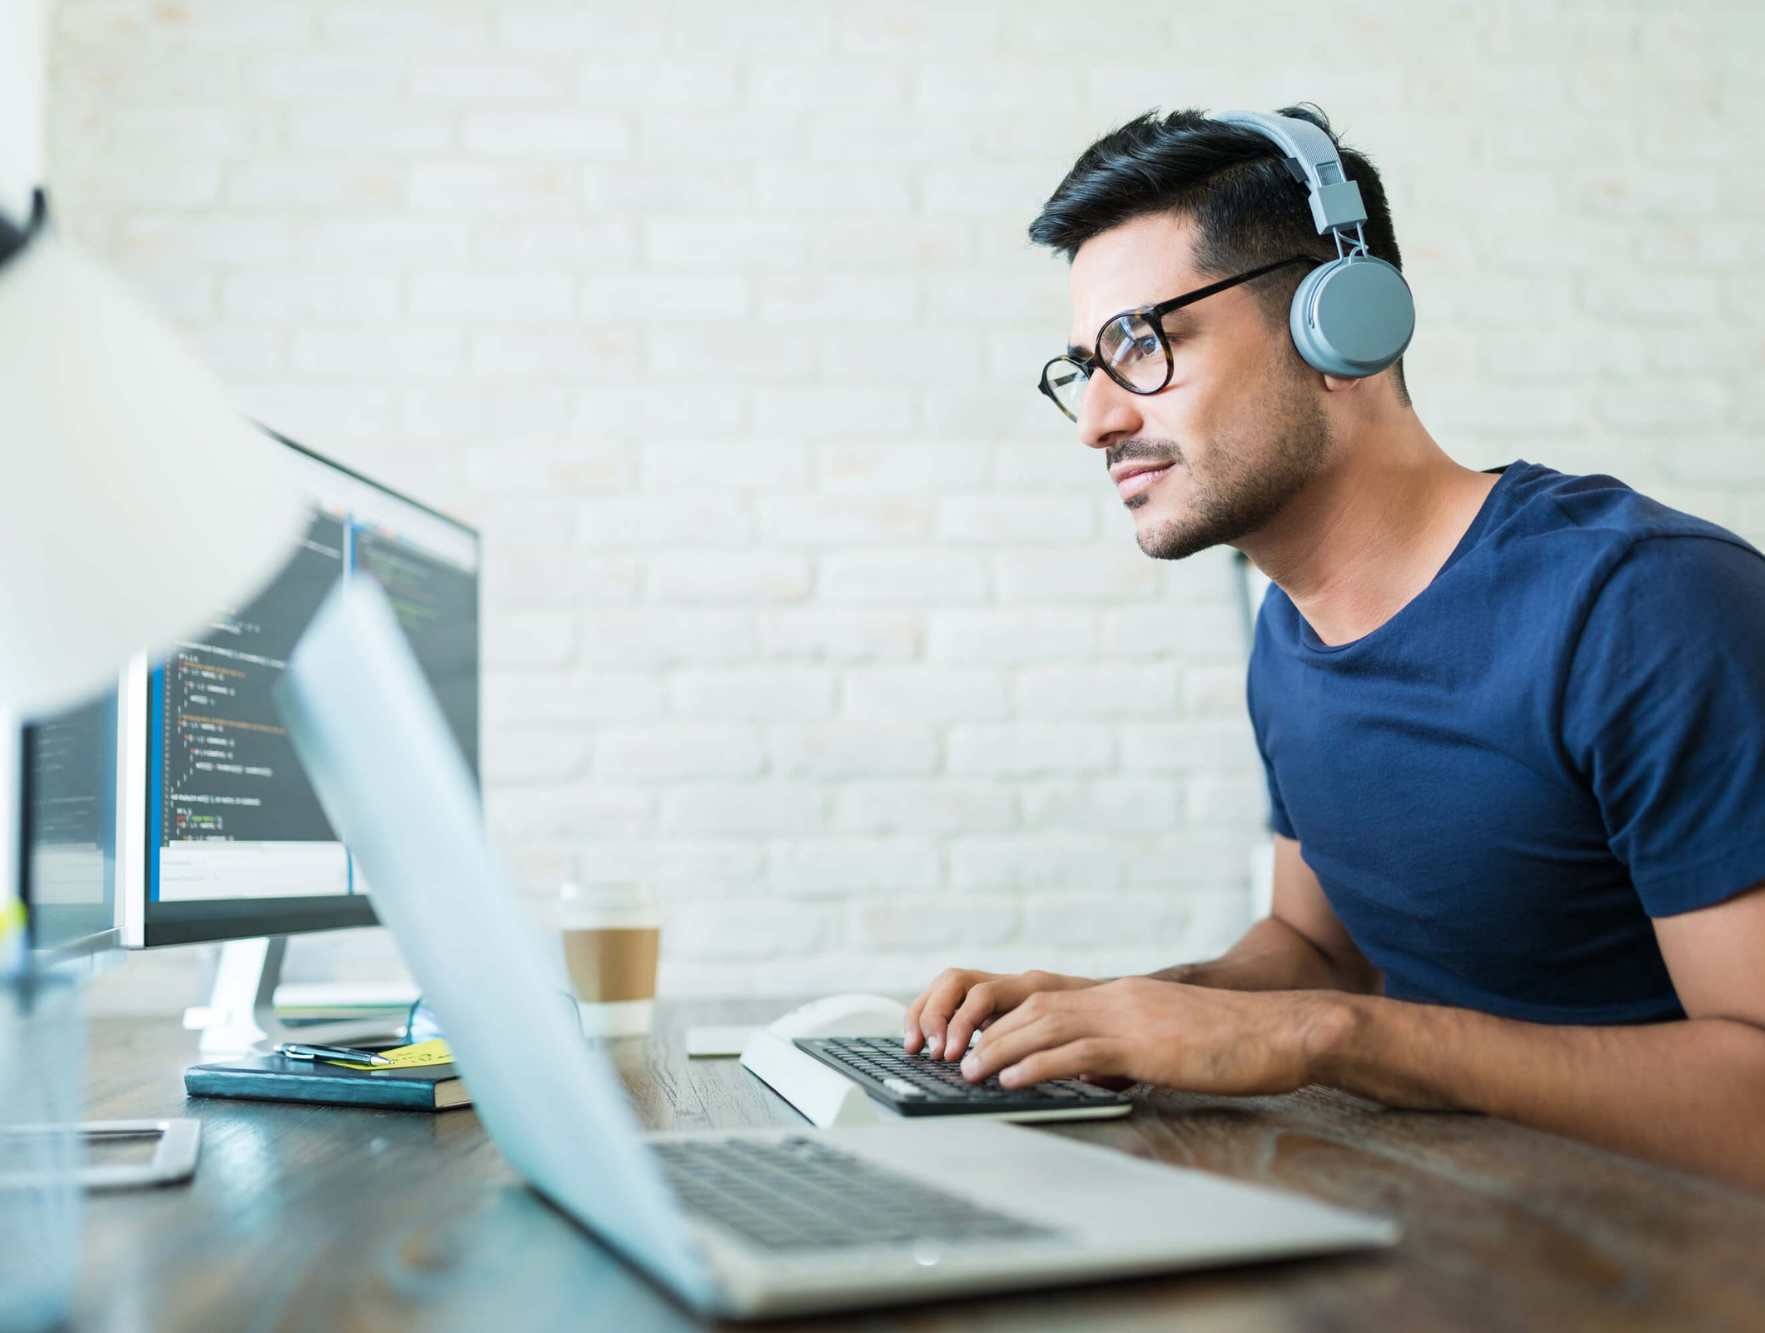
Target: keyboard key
(799, 1195)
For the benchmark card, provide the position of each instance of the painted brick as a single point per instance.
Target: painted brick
(814, 634)
(586, 244)
(750, 808)
(922, 807)
(1097, 691)
(665, 637)
(1187, 747)
(868, 468)
(223, 239)
(546, 133)
(908, 578)
(692, 520)
(842, 521)
(413, 353)
(1035, 861)
(834, 867)
(278, 296)
(1011, 518)
(929, 694)
(1001, 638)
(519, 82)
(852, 750)
(894, 923)
(529, 639)
(534, 697)
(755, 694)
(1030, 748)
(729, 577)
(491, 296)
(376, 129)
(1118, 805)
(577, 354)
(540, 755)
(661, 81)
(385, 242)
(677, 750)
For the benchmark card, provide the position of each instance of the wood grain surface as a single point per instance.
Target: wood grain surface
(330, 1218)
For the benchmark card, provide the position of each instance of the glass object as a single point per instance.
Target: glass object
(42, 1072)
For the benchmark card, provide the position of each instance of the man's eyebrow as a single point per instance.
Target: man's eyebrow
(1078, 353)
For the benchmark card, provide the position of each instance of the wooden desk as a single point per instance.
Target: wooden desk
(310, 1218)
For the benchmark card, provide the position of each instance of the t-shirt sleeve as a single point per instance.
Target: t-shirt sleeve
(1664, 712)
(1278, 820)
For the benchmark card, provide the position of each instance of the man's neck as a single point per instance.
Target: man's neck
(1371, 531)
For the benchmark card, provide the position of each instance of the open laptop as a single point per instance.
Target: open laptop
(740, 1223)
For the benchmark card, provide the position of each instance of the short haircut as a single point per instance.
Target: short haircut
(1230, 181)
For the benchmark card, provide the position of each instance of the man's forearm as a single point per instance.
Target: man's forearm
(1271, 956)
(1687, 1093)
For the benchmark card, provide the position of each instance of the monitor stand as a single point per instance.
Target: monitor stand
(241, 1011)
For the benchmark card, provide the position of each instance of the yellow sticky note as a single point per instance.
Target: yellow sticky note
(407, 1057)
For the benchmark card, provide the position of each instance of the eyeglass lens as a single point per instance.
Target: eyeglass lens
(1066, 380)
(1133, 353)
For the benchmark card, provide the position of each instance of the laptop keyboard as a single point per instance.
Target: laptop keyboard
(920, 1085)
(797, 1194)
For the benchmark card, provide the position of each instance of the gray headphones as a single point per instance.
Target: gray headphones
(1353, 316)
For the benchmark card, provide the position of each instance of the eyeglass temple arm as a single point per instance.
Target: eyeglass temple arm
(1189, 298)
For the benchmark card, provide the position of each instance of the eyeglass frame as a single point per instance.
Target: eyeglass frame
(1154, 317)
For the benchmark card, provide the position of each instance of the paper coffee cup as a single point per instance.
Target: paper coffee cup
(612, 939)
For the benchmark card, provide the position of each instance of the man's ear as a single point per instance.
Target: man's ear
(1338, 384)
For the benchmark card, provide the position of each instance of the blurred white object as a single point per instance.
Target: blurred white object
(138, 502)
(842, 1016)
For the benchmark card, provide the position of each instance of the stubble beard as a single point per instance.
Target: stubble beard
(1253, 473)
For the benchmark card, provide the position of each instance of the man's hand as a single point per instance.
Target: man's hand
(1191, 1037)
(950, 1010)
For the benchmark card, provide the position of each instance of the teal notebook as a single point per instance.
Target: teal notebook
(276, 1078)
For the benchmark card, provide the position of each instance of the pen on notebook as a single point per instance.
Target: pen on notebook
(295, 1050)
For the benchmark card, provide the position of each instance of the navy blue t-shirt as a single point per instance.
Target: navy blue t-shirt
(1560, 738)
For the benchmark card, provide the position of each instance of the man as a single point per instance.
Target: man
(1513, 723)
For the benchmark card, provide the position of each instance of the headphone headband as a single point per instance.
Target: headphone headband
(14, 238)
(1311, 157)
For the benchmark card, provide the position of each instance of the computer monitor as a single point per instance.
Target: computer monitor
(220, 835)
(67, 833)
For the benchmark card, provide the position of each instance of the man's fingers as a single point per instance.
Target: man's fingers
(1033, 1026)
(941, 1000)
(981, 1003)
(1086, 1055)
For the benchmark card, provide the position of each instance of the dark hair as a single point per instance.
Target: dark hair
(1247, 208)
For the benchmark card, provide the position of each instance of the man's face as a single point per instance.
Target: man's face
(1238, 431)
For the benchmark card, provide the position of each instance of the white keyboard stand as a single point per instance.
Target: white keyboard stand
(824, 1096)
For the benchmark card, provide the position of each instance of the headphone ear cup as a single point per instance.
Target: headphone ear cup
(1352, 317)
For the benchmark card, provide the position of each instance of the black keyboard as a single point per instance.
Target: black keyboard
(919, 1085)
(797, 1194)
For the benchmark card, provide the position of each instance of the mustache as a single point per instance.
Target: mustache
(1137, 450)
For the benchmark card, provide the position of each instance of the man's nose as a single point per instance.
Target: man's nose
(1108, 413)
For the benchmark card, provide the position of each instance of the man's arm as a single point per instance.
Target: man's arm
(1299, 945)
(1686, 1093)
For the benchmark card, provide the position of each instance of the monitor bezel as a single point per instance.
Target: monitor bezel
(221, 919)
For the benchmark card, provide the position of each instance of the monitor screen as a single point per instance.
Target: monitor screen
(235, 843)
(68, 830)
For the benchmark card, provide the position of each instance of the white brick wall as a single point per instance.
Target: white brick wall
(800, 604)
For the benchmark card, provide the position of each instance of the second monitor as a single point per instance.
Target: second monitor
(220, 835)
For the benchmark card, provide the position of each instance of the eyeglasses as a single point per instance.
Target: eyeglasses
(1132, 348)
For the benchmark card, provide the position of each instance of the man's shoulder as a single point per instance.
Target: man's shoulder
(1597, 513)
